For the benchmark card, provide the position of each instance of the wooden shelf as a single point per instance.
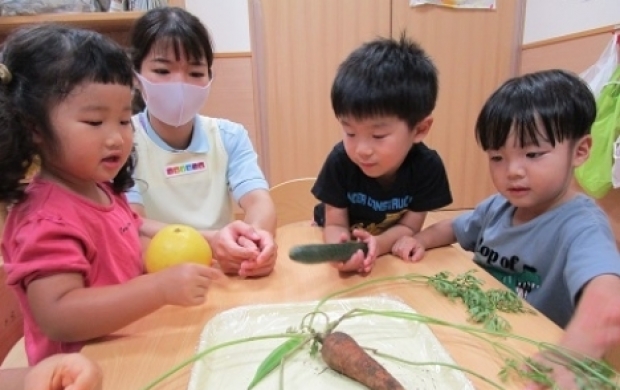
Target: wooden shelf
(99, 21)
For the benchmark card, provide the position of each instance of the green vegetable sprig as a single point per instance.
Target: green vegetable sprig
(276, 358)
(482, 307)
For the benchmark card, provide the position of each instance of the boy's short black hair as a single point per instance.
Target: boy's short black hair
(386, 77)
(555, 105)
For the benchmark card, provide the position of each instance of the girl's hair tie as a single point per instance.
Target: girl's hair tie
(5, 75)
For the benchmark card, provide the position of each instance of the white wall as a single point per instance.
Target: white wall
(545, 19)
(227, 21)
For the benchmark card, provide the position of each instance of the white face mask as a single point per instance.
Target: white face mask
(174, 103)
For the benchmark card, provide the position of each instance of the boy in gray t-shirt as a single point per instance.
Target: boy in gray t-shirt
(546, 260)
(539, 236)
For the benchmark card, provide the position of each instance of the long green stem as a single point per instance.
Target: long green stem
(214, 348)
(567, 358)
(593, 372)
(408, 277)
(288, 355)
(441, 364)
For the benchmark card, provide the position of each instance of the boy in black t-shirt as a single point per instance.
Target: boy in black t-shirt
(378, 183)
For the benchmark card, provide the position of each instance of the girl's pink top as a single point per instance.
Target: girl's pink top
(57, 231)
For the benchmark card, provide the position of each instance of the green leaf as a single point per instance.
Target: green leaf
(275, 358)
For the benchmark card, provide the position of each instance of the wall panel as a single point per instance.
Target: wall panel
(297, 46)
(561, 53)
(232, 93)
(575, 54)
(475, 51)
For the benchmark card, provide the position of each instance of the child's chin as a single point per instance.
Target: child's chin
(373, 175)
(372, 172)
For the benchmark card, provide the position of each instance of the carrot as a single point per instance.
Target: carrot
(343, 354)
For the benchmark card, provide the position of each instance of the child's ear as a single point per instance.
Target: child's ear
(422, 129)
(582, 150)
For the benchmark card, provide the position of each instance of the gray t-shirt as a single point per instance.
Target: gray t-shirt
(547, 260)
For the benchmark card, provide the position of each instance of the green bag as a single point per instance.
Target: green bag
(594, 176)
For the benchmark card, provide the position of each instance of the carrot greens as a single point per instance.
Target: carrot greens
(484, 308)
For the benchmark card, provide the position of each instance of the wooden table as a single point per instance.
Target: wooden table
(134, 356)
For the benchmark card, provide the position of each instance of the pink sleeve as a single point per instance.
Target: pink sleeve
(45, 245)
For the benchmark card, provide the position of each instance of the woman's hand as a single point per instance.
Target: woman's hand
(243, 250)
(264, 263)
(234, 244)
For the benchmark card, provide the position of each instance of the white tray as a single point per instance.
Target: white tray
(234, 367)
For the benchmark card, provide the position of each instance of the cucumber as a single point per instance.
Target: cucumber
(320, 253)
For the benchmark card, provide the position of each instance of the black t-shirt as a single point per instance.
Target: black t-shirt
(421, 185)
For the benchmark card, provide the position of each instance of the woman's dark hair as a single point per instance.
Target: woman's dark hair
(169, 26)
(386, 77)
(42, 65)
(553, 104)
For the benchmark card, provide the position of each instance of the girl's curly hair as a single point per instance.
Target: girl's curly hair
(42, 65)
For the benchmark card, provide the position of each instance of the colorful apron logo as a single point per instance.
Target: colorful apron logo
(185, 168)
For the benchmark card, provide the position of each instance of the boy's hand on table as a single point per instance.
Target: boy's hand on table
(359, 262)
(409, 249)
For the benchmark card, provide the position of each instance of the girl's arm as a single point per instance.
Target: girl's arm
(149, 227)
(66, 310)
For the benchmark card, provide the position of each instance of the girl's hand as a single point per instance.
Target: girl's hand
(186, 284)
(64, 372)
(408, 249)
(358, 262)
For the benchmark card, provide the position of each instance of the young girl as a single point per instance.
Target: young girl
(189, 165)
(71, 246)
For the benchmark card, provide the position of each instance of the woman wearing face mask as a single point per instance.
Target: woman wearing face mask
(188, 164)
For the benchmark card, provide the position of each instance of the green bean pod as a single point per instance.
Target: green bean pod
(275, 358)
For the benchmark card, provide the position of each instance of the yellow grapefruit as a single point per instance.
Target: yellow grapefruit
(176, 244)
